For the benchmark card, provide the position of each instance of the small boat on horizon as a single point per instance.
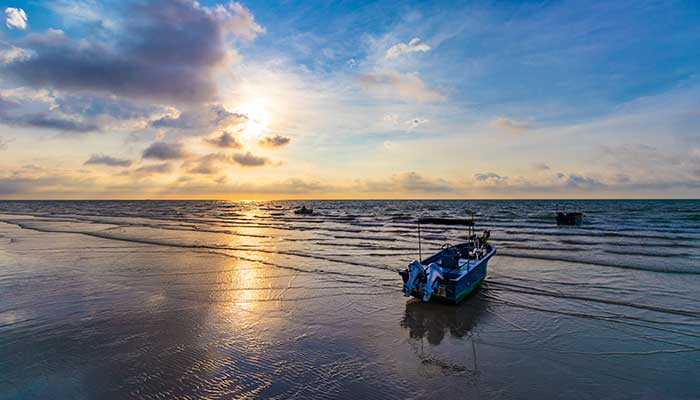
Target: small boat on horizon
(452, 273)
(304, 211)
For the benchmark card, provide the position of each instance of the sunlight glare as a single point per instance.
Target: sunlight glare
(258, 118)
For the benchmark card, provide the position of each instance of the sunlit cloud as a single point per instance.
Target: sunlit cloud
(163, 168)
(414, 45)
(510, 125)
(15, 18)
(10, 53)
(400, 86)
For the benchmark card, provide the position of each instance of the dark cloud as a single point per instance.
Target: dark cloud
(165, 151)
(225, 140)
(580, 181)
(94, 105)
(154, 169)
(46, 121)
(249, 160)
(274, 141)
(107, 160)
(168, 50)
(207, 117)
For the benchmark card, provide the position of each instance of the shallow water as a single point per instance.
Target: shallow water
(206, 299)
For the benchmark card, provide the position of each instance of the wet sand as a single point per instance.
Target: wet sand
(109, 313)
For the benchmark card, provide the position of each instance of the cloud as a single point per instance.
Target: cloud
(250, 160)
(405, 182)
(209, 164)
(540, 166)
(165, 151)
(107, 160)
(15, 18)
(94, 105)
(290, 186)
(225, 140)
(509, 125)
(154, 169)
(240, 20)
(46, 121)
(274, 141)
(208, 117)
(168, 50)
(490, 177)
(415, 45)
(576, 181)
(10, 53)
(397, 85)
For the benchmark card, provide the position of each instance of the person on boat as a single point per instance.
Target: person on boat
(485, 237)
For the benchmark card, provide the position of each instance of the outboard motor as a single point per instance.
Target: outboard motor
(433, 272)
(416, 272)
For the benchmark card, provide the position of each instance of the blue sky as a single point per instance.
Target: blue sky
(350, 99)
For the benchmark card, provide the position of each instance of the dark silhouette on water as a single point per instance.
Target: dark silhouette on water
(572, 218)
(304, 211)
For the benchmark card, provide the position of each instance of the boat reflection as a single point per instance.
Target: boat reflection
(433, 320)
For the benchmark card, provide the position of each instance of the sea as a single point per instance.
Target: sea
(248, 300)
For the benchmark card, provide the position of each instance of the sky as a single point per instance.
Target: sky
(136, 99)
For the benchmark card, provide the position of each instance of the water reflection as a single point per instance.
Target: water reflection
(433, 320)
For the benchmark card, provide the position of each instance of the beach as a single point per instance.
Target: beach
(225, 299)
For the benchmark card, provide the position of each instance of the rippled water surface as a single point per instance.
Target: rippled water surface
(207, 299)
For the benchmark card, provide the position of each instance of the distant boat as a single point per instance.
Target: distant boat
(572, 218)
(304, 211)
(452, 273)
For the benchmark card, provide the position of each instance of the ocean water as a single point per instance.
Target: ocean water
(218, 299)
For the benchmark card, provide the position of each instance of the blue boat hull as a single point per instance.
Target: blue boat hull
(456, 286)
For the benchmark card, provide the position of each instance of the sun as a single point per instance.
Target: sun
(258, 118)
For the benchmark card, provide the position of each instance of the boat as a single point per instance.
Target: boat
(571, 218)
(454, 272)
(304, 211)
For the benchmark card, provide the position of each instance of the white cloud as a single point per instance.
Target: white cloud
(10, 53)
(15, 18)
(239, 21)
(393, 84)
(510, 125)
(415, 45)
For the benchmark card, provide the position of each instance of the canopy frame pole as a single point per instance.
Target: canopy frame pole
(420, 253)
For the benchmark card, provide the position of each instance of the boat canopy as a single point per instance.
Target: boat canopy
(446, 221)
